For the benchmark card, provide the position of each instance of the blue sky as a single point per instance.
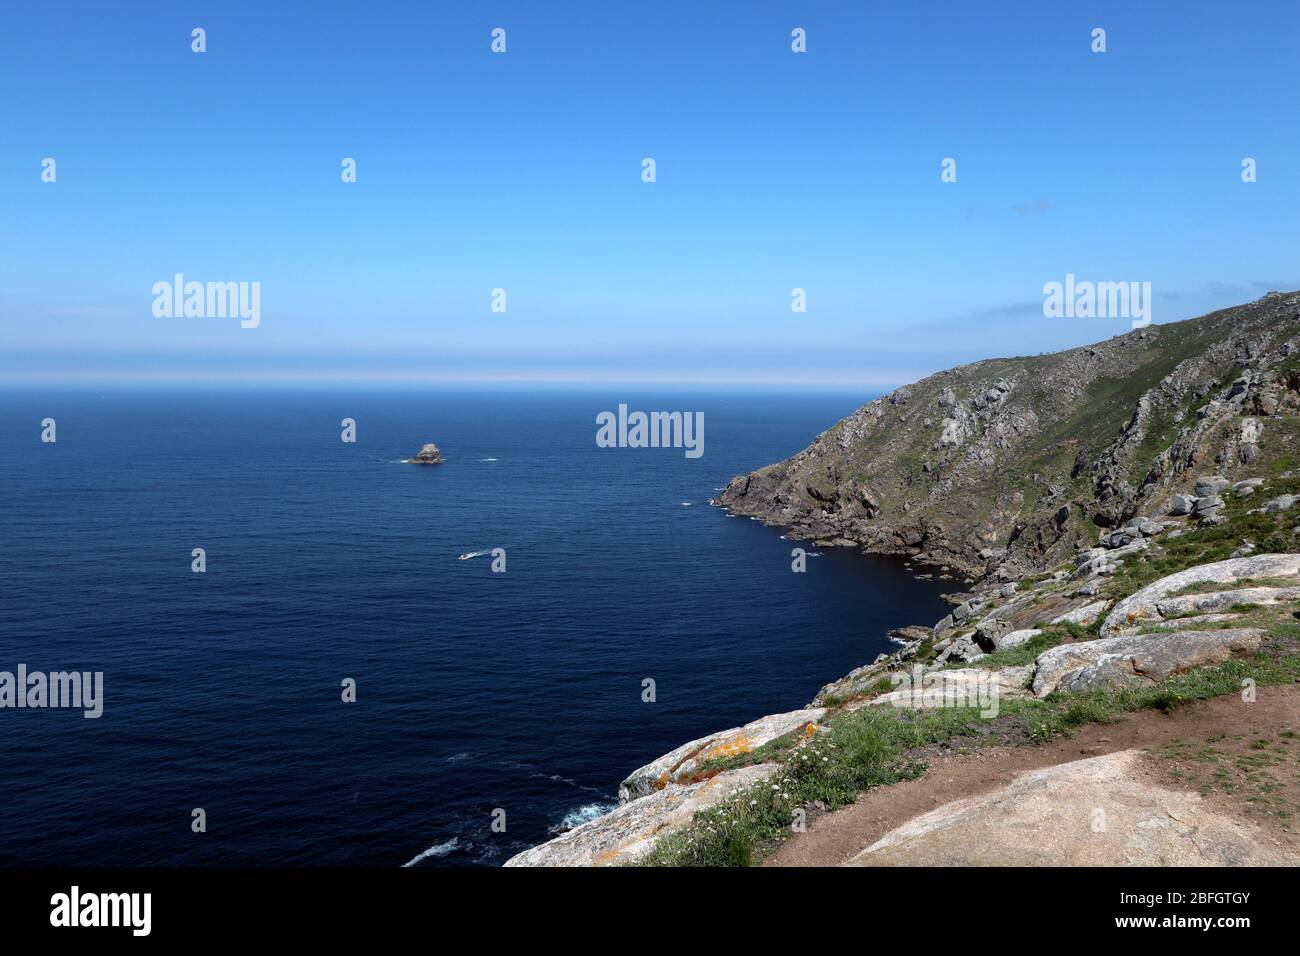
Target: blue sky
(522, 171)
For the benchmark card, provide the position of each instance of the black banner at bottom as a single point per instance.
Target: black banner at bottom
(94, 906)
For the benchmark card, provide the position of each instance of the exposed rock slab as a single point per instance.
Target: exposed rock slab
(1136, 658)
(1214, 601)
(967, 686)
(1184, 623)
(1084, 615)
(855, 681)
(1211, 485)
(1015, 638)
(680, 763)
(630, 831)
(1101, 811)
(1142, 605)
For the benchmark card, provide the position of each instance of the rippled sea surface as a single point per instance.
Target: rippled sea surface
(326, 560)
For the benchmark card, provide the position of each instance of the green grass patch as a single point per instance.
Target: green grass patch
(874, 747)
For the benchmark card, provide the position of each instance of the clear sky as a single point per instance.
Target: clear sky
(522, 171)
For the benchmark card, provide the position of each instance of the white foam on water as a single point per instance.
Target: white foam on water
(557, 778)
(438, 849)
(583, 814)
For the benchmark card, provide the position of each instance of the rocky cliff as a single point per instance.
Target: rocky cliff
(1126, 514)
(1007, 465)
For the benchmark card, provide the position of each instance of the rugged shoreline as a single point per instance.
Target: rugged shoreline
(1004, 466)
(1151, 544)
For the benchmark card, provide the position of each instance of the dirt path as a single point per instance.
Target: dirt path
(1244, 759)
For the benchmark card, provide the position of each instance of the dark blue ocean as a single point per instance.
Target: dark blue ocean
(326, 560)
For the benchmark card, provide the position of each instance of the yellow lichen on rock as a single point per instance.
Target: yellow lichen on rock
(740, 744)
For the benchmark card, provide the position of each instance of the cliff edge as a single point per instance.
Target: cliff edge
(1126, 515)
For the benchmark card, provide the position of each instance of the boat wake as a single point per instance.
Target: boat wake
(438, 849)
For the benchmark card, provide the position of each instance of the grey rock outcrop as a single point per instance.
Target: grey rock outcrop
(1210, 486)
(1214, 601)
(963, 649)
(1143, 605)
(629, 832)
(968, 686)
(428, 455)
(680, 763)
(1196, 621)
(1247, 487)
(1015, 638)
(1207, 506)
(1136, 658)
(1084, 615)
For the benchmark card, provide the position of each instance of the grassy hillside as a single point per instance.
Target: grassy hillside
(1023, 460)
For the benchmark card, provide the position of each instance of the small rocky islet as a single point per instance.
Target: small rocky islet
(1124, 515)
(428, 455)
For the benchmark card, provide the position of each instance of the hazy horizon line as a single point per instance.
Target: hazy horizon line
(35, 380)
